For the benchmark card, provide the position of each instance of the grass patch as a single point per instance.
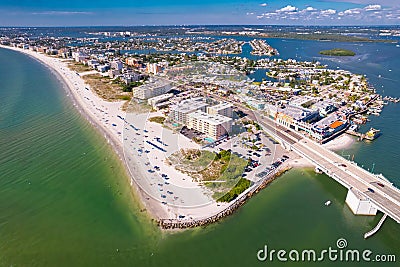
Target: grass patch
(157, 119)
(105, 88)
(78, 67)
(239, 188)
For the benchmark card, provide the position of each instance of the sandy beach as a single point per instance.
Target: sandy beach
(342, 142)
(103, 115)
(184, 196)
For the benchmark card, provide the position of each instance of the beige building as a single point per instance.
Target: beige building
(224, 109)
(180, 112)
(151, 89)
(154, 101)
(214, 126)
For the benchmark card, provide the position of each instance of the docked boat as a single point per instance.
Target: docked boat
(372, 134)
(353, 128)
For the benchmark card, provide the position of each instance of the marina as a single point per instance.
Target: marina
(370, 135)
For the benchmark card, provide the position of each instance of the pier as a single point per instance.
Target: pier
(376, 228)
(371, 135)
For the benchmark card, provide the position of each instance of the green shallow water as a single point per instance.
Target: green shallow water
(65, 198)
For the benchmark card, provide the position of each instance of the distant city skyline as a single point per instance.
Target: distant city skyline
(205, 12)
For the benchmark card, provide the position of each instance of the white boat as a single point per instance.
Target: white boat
(353, 128)
(327, 203)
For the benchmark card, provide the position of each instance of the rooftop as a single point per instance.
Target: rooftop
(161, 97)
(214, 119)
(154, 83)
(189, 105)
(296, 113)
(222, 105)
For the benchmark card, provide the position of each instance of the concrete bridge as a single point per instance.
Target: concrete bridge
(367, 192)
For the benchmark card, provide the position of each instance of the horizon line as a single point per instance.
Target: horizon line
(207, 25)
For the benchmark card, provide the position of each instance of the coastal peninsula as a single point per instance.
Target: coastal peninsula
(192, 129)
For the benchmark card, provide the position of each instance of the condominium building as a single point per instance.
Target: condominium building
(154, 101)
(214, 126)
(151, 89)
(180, 111)
(224, 109)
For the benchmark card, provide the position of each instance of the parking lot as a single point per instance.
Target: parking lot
(261, 159)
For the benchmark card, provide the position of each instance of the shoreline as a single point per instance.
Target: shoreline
(116, 144)
(83, 101)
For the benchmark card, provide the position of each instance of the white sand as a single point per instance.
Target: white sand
(342, 142)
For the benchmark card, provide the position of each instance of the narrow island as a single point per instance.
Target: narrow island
(338, 52)
(198, 137)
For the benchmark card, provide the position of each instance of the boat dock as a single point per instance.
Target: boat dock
(371, 135)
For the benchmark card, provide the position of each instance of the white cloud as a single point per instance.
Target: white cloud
(310, 8)
(352, 11)
(328, 12)
(287, 8)
(373, 7)
(369, 12)
(263, 4)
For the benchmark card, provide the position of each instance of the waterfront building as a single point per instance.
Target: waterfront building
(214, 126)
(324, 107)
(293, 117)
(151, 89)
(79, 56)
(328, 126)
(224, 109)
(161, 99)
(130, 77)
(180, 111)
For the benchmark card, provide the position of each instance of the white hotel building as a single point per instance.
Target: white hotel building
(151, 89)
(224, 109)
(180, 112)
(214, 126)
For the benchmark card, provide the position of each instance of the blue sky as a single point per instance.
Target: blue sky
(178, 12)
